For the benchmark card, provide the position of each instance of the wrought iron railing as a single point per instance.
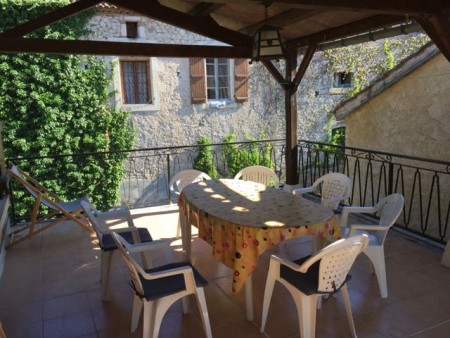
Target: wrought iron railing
(424, 183)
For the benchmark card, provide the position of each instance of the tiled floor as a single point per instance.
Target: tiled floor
(51, 288)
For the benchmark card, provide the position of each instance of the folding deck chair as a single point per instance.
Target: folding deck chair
(66, 210)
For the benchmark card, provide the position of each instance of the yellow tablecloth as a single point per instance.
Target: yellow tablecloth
(241, 219)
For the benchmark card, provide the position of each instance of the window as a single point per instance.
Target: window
(213, 81)
(217, 79)
(135, 82)
(132, 30)
(342, 80)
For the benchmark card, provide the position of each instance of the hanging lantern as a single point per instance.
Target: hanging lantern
(267, 43)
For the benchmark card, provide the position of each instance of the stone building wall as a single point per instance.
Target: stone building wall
(173, 120)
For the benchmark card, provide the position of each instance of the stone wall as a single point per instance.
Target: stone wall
(173, 120)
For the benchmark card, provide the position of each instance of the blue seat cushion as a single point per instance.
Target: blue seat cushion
(305, 282)
(107, 242)
(157, 288)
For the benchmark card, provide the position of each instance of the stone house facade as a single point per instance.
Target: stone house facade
(172, 118)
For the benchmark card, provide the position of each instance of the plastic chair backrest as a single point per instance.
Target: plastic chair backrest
(388, 210)
(336, 261)
(133, 267)
(185, 177)
(259, 174)
(335, 188)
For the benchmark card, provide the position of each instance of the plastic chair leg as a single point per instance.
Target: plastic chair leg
(307, 311)
(105, 267)
(201, 301)
(376, 255)
(136, 313)
(149, 319)
(270, 284)
(348, 310)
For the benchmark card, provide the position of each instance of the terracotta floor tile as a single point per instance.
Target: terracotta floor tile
(58, 275)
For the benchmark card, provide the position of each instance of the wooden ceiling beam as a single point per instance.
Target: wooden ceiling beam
(398, 7)
(438, 29)
(205, 26)
(49, 18)
(358, 27)
(204, 9)
(281, 20)
(89, 47)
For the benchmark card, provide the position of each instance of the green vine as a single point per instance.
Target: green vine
(205, 161)
(368, 61)
(53, 104)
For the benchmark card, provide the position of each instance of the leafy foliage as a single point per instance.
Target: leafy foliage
(205, 161)
(57, 105)
(368, 61)
(237, 158)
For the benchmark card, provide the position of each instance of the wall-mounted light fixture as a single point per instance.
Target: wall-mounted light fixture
(267, 42)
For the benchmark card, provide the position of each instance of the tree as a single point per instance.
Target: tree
(57, 105)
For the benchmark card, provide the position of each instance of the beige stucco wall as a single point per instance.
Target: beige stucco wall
(412, 117)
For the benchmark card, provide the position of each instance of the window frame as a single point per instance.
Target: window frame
(230, 83)
(148, 82)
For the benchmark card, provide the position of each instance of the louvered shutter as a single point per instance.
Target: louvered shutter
(198, 80)
(241, 80)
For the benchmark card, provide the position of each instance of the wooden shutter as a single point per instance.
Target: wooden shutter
(198, 80)
(241, 80)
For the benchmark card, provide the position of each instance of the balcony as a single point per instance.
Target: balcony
(51, 288)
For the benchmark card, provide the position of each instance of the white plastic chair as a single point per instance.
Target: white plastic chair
(388, 210)
(158, 288)
(259, 174)
(306, 279)
(103, 224)
(333, 188)
(179, 181)
(183, 178)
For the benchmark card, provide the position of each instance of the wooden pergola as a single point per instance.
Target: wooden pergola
(305, 26)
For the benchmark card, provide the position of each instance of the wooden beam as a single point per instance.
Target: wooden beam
(304, 65)
(438, 29)
(204, 9)
(49, 18)
(391, 7)
(274, 72)
(281, 20)
(89, 47)
(205, 26)
(290, 103)
(361, 26)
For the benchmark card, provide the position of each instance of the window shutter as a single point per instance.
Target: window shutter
(198, 80)
(241, 80)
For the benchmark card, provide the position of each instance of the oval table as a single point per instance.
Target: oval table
(241, 219)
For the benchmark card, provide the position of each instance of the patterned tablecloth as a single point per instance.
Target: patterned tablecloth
(241, 219)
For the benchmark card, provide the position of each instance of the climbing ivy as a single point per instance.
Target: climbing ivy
(368, 61)
(237, 158)
(205, 161)
(57, 104)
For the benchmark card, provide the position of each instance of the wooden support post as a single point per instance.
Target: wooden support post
(290, 99)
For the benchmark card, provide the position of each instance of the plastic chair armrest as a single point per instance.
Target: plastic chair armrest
(147, 246)
(367, 227)
(354, 210)
(304, 190)
(183, 270)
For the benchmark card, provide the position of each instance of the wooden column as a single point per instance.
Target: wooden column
(290, 102)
